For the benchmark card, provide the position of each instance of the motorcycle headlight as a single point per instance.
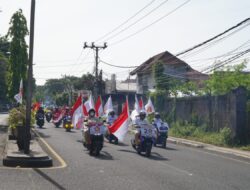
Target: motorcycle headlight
(66, 125)
(71, 125)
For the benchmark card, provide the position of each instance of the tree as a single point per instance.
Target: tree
(4, 46)
(3, 87)
(17, 67)
(222, 82)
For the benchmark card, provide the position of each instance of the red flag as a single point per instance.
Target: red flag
(98, 107)
(120, 126)
(85, 112)
(36, 106)
(141, 104)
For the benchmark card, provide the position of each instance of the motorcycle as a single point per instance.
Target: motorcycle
(57, 120)
(96, 132)
(48, 116)
(146, 140)
(112, 138)
(67, 123)
(162, 136)
(40, 120)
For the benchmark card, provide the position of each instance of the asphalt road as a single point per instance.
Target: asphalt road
(120, 167)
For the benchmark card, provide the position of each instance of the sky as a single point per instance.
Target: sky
(62, 27)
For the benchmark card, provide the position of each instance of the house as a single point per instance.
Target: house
(113, 86)
(173, 67)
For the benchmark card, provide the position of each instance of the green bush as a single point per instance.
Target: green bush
(201, 133)
(17, 117)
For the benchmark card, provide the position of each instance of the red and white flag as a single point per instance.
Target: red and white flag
(89, 104)
(19, 97)
(77, 113)
(98, 107)
(120, 126)
(108, 106)
(149, 107)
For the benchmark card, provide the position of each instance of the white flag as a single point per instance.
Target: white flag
(108, 106)
(19, 97)
(149, 107)
(136, 110)
(89, 104)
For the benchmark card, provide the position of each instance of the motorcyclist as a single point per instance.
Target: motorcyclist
(157, 122)
(66, 114)
(56, 113)
(90, 121)
(111, 117)
(40, 112)
(141, 122)
(110, 120)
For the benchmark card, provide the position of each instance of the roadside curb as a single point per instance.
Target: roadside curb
(213, 148)
(37, 157)
(185, 143)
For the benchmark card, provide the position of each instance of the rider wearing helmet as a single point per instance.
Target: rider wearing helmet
(139, 123)
(157, 122)
(111, 117)
(90, 121)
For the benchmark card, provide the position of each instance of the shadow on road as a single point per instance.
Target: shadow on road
(49, 179)
(169, 148)
(157, 156)
(154, 155)
(105, 156)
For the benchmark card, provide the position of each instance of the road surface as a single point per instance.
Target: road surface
(121, 168)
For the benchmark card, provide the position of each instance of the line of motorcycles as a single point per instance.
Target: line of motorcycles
(57, 120)
(97, 133)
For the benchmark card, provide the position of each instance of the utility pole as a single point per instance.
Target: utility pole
(30, 76)
(96, 49)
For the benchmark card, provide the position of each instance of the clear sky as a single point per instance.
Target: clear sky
(62, 26)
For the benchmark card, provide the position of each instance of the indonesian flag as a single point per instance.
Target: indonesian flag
(98, 107)
(19, 97)
(108, 106)
(77, 113)
(141, 104)
(149, 107)
(120, 126)
(89, 104)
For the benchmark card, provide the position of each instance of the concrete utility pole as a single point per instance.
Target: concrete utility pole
(96, 49)
(30, 76)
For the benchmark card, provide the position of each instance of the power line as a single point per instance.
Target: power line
(229, 60)
(126, 21)
(215, 42)
(213, 38)
(138, 20)
(144, 28)
(124, 67)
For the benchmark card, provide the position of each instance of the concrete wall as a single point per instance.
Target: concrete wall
(217, 111)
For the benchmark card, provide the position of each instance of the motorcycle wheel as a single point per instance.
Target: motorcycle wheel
(164, 144)
(68, 129)
(148, 152)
